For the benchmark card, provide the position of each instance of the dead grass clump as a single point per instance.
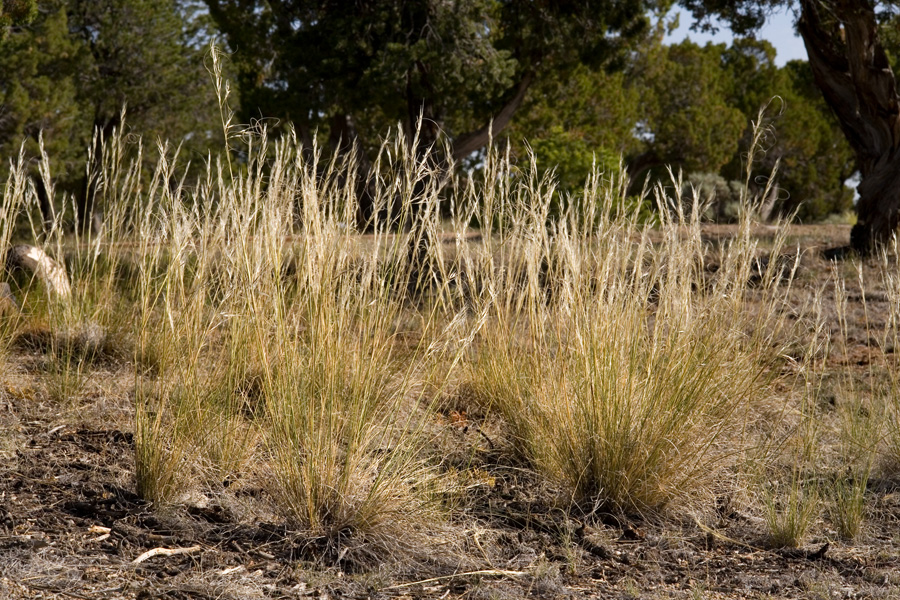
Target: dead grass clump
(310, 381)
(631, 380)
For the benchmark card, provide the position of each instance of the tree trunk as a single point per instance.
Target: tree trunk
(45, 203)
(851, 68)
(638, 168)
(466, 144)
(344, 140)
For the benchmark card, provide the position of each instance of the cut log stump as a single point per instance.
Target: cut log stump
(35, 261)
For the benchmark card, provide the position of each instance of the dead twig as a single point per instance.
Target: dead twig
(261, 554)
(164, 552)
(55, 590)
(488, 572)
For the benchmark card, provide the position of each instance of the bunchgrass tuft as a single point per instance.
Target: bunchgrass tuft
(623, 363)
(271, 341)
(889, 338)
(791, 509)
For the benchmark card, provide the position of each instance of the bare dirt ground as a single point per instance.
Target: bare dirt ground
(71, 525)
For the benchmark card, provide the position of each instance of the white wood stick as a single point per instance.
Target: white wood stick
(164, 552)
(489, 572)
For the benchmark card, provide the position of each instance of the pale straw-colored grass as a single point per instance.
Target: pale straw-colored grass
(623, 364)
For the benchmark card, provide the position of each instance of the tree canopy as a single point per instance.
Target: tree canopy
(16, 12)
(691, 107)
(353, 69)
(575, 83)
(70, 71)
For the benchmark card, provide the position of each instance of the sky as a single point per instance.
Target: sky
(779, 31)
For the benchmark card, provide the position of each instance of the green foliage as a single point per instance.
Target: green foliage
(743, 16)
(573, 158)
(814, 158)
(688, 119)
(16, 12)
(692, 108)
(350, 72)
(889, 33)
(78, 63)
(571, 123)
(844, 39)
(356, 69)
(139, 54)
(38, 91)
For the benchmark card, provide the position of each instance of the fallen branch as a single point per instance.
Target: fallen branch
(35, 261)
(261, 554)
(493, 572)
(164, 552)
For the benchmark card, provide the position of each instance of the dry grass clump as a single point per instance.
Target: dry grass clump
(860, 416)
(279, 349)
(94, 321)
(268, 335)
(624, 368)
(15, 191)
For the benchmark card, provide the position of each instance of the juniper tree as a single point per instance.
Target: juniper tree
(851, 68)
